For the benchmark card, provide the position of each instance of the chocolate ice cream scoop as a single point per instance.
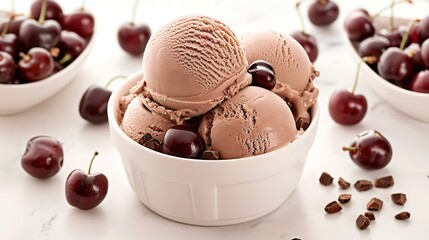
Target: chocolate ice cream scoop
(252, 122)
(294, 71)
(191, 65)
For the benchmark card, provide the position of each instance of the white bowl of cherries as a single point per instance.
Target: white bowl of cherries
(41, 54)
(400, 73)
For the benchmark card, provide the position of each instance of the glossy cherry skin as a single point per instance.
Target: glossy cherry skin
(347, 108)
(133, 38)
(80, 22)
(7, 68)
(425, 53)
(71, 43)
(374, 47)
(182, 141)
(396, 66)
(9, 44)
(358, 25)
(37, 65)
(414, 52)
(323, 12)
(308, 42)
(14, 25)
(373, 150)
(86, 191)
(424, 30)
(394, 36)
(43, 157)
(53, 10)
(93, 104)
(420, 82)
(263, 74)
(34, 34)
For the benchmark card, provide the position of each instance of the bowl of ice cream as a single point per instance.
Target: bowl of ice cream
(261, 137)
(403, 100)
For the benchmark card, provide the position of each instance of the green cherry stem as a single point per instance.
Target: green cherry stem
(43, 12)
(113, 79)
(134, 13)
(369, 59)
(66, 58)
(301, 17)
(90, 164)
(6, 26)
(372, 17)
(350, 149)
(392, 19)
(407, 33)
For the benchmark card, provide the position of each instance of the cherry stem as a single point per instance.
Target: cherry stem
(350, 149)
(66, 58)
(114, 79)
(6, 26)
(90, 164)
(301, 18)
(369, 59)
(43, 12)
(387, 7)
(134, 13)
(392, 19)
(407, 33)
(25, 57)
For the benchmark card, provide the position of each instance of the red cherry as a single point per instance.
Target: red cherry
(425, 53)
(183, 141)
(36, 65)
(358, 25)
(93, 104)
(43, 157)
(396, 66)
(262, 74)
(7, 68)
(424, 29)
(53, 10)
(323, 12)
(14, 25)
(420, 82)
(35, 34)
(80, 22)
(85, 190)
(347, 108)
(133, 38)
(308, 42)
(370, 150)
(71, 45)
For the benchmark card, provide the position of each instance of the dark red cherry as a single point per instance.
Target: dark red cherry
(9, 44)
(71, 45)
(424, 29)
(420, 82)
(373, 46)
(396, 66)
(43, 157)
(347, 108)
(323, 12)
(36, 65)
(14, 25)
(425, 53)
(80, 22)
(370, 150)
(308, 42)
(93, 104)
(414, 52)
(35, 34)
(263, 74)
(182, 141)
(53, 10)
(85, 190)
(358, 25)
(7, 68)
(394, 36)
(133, 38)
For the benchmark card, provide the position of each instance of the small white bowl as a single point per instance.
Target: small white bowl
(16, 98)
(412, 104)
(208, 192)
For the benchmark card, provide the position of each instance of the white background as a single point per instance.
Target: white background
(37, 209)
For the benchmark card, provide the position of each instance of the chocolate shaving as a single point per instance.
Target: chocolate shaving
(302, 123)
(374, 204)
(146, 137)
(362, 222)
(363, 185)
(399, 198)
(370, 216)
(343, 183)
(403, 215)
(333, 207)
(384, 182)
(344, 198)
(149, 142)
(326, 179)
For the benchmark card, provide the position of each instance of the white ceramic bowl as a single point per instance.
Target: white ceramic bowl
(412, 104)
(204, 192)
(16, 98)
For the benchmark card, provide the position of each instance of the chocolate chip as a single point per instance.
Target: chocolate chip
(370, 216)
(146, 137)
(333, 207)
(399, 198)
(343, 183)
(363, 185)
(344, 198)
(362, 222)
(326, 179)
(384, 182)
(374, 204)
(302, 123)
(152, 144)
(210, 155)
(403, 215)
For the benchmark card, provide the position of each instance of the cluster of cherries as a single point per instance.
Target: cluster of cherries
(401, 52)
(35, 47)
(44, 157)
(321, 13)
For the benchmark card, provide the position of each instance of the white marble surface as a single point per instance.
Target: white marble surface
(36, 209)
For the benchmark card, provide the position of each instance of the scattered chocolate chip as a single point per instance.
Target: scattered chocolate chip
(363, 185)
(362, 222)
(370, 216)
(374, 204)
(384, 182)
(333, 207)
(146, 137)
(343, 183)
(403, 215)
(399, 198)
(210, 155)
(344, 198)
(152, 144)
(326, 179)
